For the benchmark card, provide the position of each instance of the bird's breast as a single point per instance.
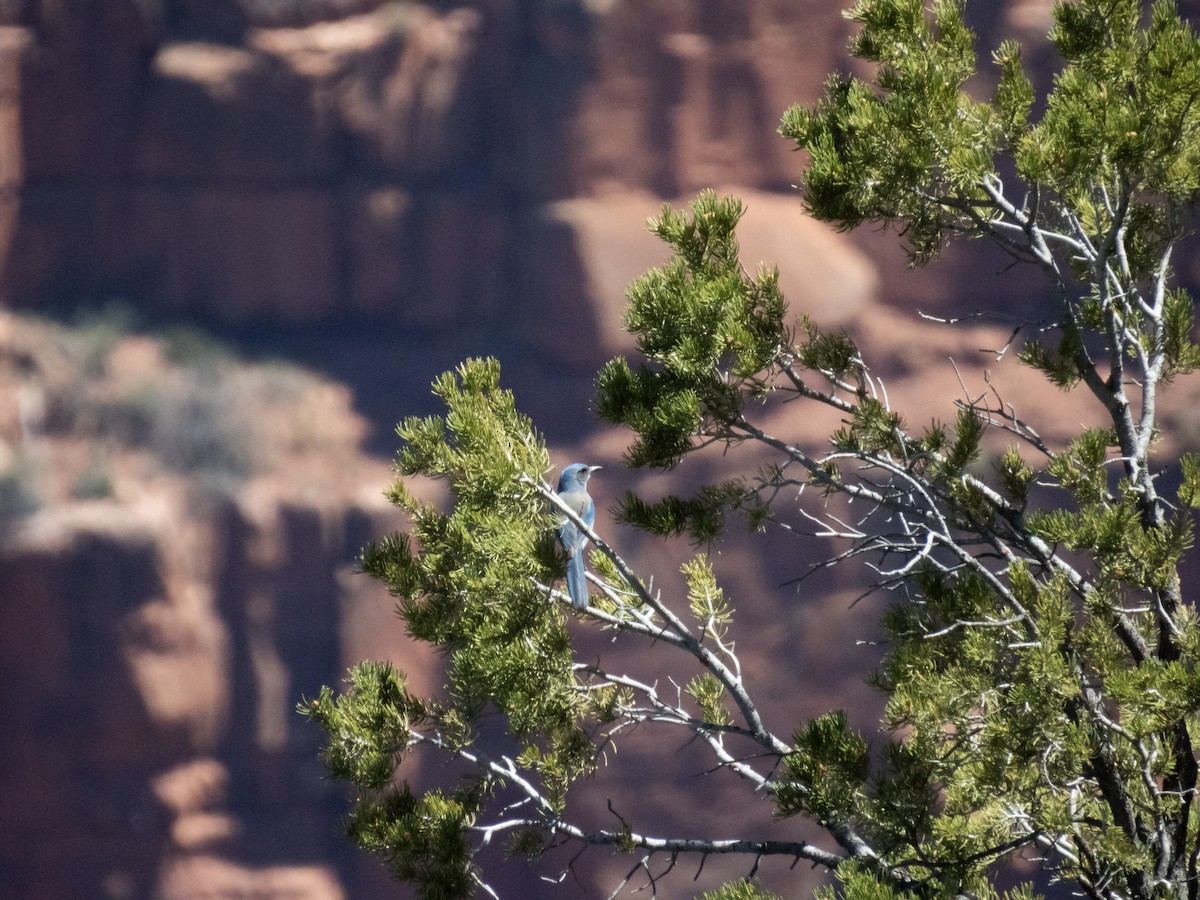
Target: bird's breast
(576, 500)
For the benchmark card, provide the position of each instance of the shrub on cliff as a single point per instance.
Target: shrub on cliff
(1041, 657)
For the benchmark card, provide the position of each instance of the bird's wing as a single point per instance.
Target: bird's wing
(581, 504)
(570, 536)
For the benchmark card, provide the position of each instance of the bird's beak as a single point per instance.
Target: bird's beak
(593, 469)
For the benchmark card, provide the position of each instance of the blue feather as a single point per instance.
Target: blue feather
(572, 489)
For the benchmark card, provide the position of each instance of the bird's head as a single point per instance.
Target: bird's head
(575, 475)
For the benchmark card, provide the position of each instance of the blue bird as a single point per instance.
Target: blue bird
(572, 490)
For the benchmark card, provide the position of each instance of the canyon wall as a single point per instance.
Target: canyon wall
(314, 161)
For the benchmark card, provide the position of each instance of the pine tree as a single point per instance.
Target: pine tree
(1041, 662)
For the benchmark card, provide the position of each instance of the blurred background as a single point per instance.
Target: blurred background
(238, 238)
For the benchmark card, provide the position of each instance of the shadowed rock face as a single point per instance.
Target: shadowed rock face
(153, 742)
(382, 160)
(172, 583)
(301, 163)
(378, 189)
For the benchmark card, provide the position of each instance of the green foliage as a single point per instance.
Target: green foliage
(377, 713)
(472, 587)
(1180, 353)
(739, 890)
(370, 727)
(887, 152)
(707, 691)
(824, 776)
(1015, 474)
(964, 449)
(1189, 488)
(874, 429)
(856, 882)
(1014, 94)
(1081, 469)
(1040, 653)
(702, 517)
(914, 147)
(1124, 108)
(706, 599)
(1060, 364)
(469, 582)
(420, 837)
(834, 355)
(706, 329)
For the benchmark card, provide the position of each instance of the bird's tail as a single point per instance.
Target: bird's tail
(577, 580)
